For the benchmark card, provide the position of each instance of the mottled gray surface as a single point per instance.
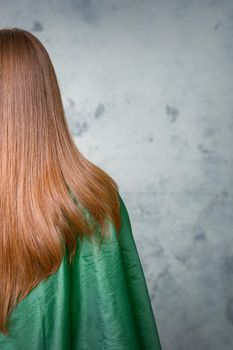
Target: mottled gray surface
(147, 87)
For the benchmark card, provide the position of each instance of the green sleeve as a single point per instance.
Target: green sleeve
(115, 311)
(137, 288)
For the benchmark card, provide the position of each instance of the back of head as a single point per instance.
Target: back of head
(41, 172)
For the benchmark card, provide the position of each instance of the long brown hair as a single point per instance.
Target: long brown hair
(46, 184)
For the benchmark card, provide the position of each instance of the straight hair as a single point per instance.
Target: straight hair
(47, 186)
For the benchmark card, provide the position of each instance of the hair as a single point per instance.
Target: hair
(47, 186)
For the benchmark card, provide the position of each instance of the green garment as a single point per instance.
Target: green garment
(101, 302)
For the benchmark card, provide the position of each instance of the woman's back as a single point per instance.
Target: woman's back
(55, 294)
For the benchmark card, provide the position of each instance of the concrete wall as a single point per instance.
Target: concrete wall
(147, 88)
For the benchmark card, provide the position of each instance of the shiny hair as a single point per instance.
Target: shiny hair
(47, 186)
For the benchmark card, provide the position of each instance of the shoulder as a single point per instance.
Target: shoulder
(123, 211)
(124, 214)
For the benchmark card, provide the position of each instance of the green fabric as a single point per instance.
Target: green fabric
(101, 302)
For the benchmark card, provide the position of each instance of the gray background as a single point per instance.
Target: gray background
(147, 88)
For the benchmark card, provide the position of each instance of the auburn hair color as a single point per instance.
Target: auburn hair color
(47, 187)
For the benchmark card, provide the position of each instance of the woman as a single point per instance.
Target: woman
(70, 274)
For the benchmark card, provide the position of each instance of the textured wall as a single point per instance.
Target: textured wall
(147, 88)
